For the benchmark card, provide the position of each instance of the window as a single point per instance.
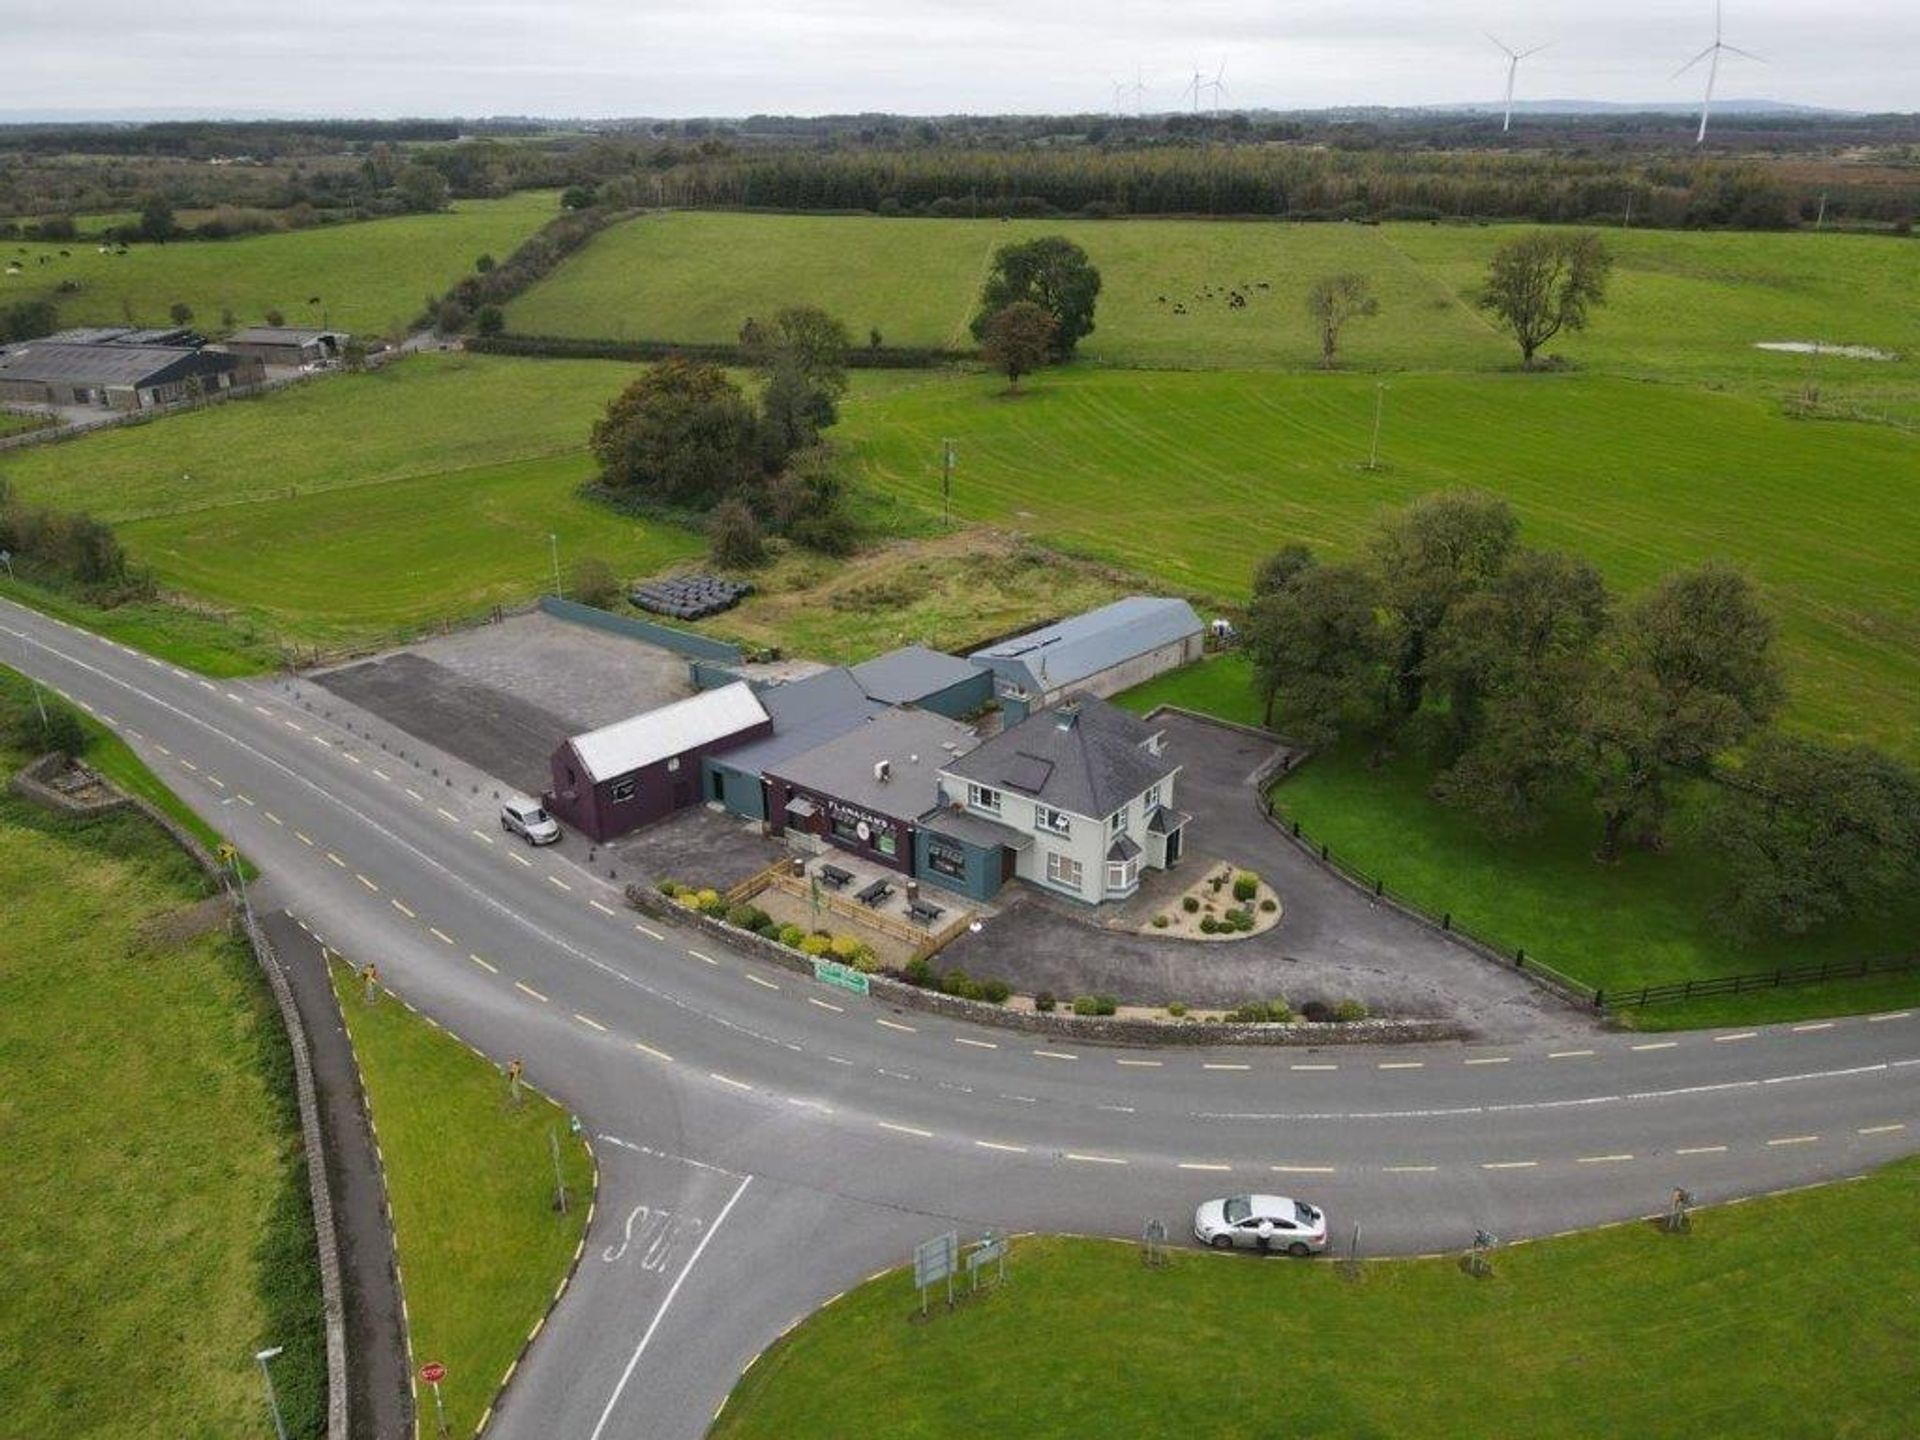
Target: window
(886, 844)
(1119, 820)
(949, 860)
(673, 764)
(623, 789)
(1054, 820)
(982, 797)
(1122, 875)
(1063, 870)
(1153, 798)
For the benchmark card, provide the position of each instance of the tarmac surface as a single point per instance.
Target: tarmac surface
(781, 1140)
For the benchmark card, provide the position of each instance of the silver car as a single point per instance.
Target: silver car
(1271, 1223)
(529, 820)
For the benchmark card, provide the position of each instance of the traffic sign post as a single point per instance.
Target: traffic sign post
(433, 1372)
(992, 1250)
(933, 1261)
(843, 977)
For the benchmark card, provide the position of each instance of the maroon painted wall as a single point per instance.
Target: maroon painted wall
(591, 808)
(821, 824)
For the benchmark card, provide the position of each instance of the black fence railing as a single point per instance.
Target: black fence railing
(1633, 999)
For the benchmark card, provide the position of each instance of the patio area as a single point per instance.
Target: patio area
(899, 917)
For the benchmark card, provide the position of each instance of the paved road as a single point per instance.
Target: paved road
(766, 1143)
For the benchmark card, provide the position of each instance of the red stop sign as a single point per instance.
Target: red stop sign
(433, 1372)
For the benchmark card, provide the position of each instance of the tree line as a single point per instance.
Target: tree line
(1529, 684)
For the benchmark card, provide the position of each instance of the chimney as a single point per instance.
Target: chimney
(883, 770)
(1068, 715)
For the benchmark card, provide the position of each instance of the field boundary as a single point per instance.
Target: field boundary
(681, 642)
(586, 347)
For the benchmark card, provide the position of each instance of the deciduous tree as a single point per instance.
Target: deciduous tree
(682, 434)
(1546, 282)
(1332, 302)
(1051, 272)
(1018, 340)
(1317, 648)
(1432, 554)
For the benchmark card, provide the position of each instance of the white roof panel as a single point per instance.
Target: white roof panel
(627, 745)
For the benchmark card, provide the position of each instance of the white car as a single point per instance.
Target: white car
(529, 820)
(1271, 1223)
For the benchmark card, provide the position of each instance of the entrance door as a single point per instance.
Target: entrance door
(719, 787)
(1173, 846)
(1007, 863)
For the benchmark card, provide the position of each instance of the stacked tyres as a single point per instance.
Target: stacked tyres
(689, 597)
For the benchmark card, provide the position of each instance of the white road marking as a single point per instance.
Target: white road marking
(243, 799)
(650, 934)
(292, 726)
(366, 882)
(758, 981)
(1820, 1025)
(273, 817)
(1602, 1159)
(1566, 1054)
(301, 838)
(1737, 1035)
(996, 1145)
(381, 773)
(440, 935)
(1144, 1064)
(603, 909)
(335, 859)
(1301, 1169)
(1410, 1169)
(481, 836)
(1794, 1140)
(322, 740)
(590, 1022)
(1488, 1060)
(1510, 1165)
(520, 859)
(1312, 1067)
(186, 764)
(1055, 1055)
(1890, 1015)
(1655, 1045)
(414, 793)
(403, 910)
(904, 1129)
(1094, 1159)
(728, 1080)
(1880, 1129)
(216, 782)
(446, 814)
(1403, 1064)
(209, 685)
(353, 758)
(895, 1025)
(264, 711)
(490, 969)
(527, 989)
(556, 880)
(795, 1100)
(977, 1044)
(660, 1314)
(825, 1005)
(649, 1050)
(707, 959)
(1218, 1065)
(1702, 1150)
(1202, 1165)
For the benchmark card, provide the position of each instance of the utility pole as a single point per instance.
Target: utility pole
(554, 541)
(273, 1400)
(559, 1181)
(39, 701)
(1627, 223)
(946, 482)
(230, 857)
(1820, 223)
(1379, 410)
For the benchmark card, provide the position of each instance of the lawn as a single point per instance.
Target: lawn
(1688, 305)
(1644, 921)
(1624, 1331)
(470, 1181)
(457, 470)
(372, 277)
(156, 1209)
(1191, 477)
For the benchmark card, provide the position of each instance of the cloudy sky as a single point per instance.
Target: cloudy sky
(730, 57)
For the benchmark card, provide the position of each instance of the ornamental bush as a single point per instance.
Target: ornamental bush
(995, 990)
(669, 888)
(1191, 904)
(1269, 905)
(815, 945)
(1208, 925)
(791, 936)
(919, 972)
(1044, 1002)
(1348, 1011)
(1159, 922)
(740, 916)
(1177, 1009)
(1246, 885)
(1318, 1011)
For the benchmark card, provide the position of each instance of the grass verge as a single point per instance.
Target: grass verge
(470, 1179)
(186, 637)
(1623, 1331)
(156, 1206)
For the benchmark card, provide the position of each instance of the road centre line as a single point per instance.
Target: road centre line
(381, 773)
(414, 793)
(520, 859)
(403, 910)
(1602, 1159)
(590, 1022)
(894, 1024)
(1313, 1067)
(1656, 1045)
(335, 859)
(650, 934)
(1738, 1035)
(243, 799)
(758, 981)
(977, 1044)
(1794, 1140)
(660, 1314)
(186, 764)
(1218, 1065)
(446, 814)
(1409, 1169)
(353, 758)
(366, 882)
(490, 969)
(904, 1129)
(603, 909)
(481, 836)
(1055, 1055)
(1203, 1165)
(1510, 1165)
(1880, 1129)
(1094, 1159)
(649, 1050)
(1488, 1060)
(728, 1080)
(292, 725)
(996, 1145)
(556, 880)
(825, 1005)
(1567, 1054)
(1403, 1065)
(273, 817)
(708, 959)
(527, 989)
(1702, 1150)
(1301, 1169)
(1144, 1064)
(1818, 1025)
(440, 935)
(301, 838)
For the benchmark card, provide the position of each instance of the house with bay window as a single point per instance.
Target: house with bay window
(1077, 798)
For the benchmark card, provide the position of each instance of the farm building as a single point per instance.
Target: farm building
(806, 714)
(1099, 653)
(865, 791)
(118, 376)
(915, 675)
(1076, 798)
(621, 776)
(285, 345)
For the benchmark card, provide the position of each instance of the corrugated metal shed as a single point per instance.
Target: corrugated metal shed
(628, 745)
(1064, 654)
(136, 365)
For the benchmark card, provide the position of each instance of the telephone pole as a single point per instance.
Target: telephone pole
(946, 482)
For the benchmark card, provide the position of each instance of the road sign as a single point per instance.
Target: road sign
(433, 1372)
(831, 972)
(933, 1259)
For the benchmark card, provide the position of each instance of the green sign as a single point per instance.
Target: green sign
(830, 972)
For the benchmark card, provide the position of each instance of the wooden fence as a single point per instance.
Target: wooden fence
(925, 942)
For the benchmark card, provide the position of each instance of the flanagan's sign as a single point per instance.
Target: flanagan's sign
(867, 822)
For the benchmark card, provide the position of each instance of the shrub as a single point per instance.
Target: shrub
(712, 902)
(791, 936)
(1241, 919)
(996, 990)
(845, 947)
(669, 888)
(490, 320)
(1348, 1011)
(1209, 925)
(1318, 1011)
(1246, 885)
(1262, 1012)
(740, 916)
(1190, 904)
(1044, 1002)
(733, 536)
(594, 582)
(919, 972)
(1269, 905)
(1177, 1009)
(815, 945)
(1085, 1005)
(758, 919)
(1216, 881)
(1159, 922)
(687, 898)
(865, 961)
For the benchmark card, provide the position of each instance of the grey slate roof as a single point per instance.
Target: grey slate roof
(1061, 655)
(843, 767)
(910, 674)
(806, 714)
(974, 829)
(1086, 757)
(1164, 821)
(136, 365)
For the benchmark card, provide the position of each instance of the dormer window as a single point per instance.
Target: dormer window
(1153, 798)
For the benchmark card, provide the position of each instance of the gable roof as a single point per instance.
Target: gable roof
(1064, 654)
(1083, 756)
(60, 363)
(806, 714)
(913, 742)
(640, 740)
(910, 674)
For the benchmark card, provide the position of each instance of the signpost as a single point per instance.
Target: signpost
(933, 1261)
(433, 1372)
(1153, 1244)
(1478, 1263)
(992, 1250)
(1679, 1216)
(844, 977)
(273, 1400)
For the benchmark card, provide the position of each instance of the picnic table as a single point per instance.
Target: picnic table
(925, 912)
(834, 878)
(874, 893)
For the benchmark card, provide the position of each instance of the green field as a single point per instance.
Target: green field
(346, 508)
(372, 277)
(1646, 920)
(470, 1180)
(156, 1210)
(1626, 1331)
(1191, 477)
(1690, 305)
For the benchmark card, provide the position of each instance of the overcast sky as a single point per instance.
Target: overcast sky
(733, 57)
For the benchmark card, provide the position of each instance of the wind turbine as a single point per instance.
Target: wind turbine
(1514, 57)
(1193, 88)
(1137, 89)
(1218, 84)
(1712, 56)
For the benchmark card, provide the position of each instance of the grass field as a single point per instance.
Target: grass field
(155, 1209)
(471, 1185)
(1689, 305)
(372, 277)
(1644, 921)
(1618, 1332)
(438, 505)
(1191, 477)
